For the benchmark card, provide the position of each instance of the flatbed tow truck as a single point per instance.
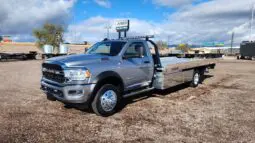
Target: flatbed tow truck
(112, 70)
(18, 56)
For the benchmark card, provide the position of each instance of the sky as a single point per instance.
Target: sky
(175, 21)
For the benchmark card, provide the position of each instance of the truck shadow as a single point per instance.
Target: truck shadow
(147, 95)
(138, 97)
(156, 93)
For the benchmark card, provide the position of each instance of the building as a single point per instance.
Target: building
(6, 38)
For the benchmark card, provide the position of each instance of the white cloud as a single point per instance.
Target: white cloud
(20, 17)
(103, 3)
(173, 3)
(93, 29)
(205, 22)
(212, 21)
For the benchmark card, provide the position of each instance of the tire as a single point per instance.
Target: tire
(202, 76)
(106, 93)
(196, 79)
(51, 97)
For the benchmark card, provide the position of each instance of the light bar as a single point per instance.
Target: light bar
(138, 37)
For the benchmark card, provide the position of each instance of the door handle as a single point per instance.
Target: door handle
(146, 62)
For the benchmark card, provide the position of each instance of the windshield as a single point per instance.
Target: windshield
(106, 48)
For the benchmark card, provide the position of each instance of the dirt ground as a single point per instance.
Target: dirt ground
(220, 110)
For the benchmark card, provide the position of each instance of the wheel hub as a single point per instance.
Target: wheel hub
(108, 100)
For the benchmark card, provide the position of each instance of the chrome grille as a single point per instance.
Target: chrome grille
(53, 72)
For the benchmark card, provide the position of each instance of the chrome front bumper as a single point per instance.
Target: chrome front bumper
(68, 93)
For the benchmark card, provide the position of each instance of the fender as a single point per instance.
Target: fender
(107, 74)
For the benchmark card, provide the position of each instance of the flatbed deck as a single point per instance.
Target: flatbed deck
(173, 63)
(204, 55)
(176, 71)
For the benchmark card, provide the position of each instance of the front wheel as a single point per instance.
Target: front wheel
(196, 79)
(106, 101)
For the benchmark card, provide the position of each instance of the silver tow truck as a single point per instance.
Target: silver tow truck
(112, 70)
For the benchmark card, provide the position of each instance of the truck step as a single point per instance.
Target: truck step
(138, 92)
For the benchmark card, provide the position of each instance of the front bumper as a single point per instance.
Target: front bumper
(68, 93)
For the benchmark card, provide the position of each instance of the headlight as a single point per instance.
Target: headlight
(77, 74)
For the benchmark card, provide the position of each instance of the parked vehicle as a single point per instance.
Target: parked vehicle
(247, 50)
(112, 70)
(18, 56)
(48, 51)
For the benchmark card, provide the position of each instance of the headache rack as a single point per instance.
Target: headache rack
(147, 38)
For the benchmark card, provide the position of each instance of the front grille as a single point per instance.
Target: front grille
(53, 72)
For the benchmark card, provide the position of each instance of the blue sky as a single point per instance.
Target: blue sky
(140, 9)
(180, 21)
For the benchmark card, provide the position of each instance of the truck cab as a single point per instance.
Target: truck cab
(125, 64)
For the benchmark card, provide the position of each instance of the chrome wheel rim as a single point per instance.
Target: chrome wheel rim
(108, 100)
(196, 78)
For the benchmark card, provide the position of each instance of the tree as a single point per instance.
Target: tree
(49, 34)
(162, 45)
(183, 47)
(1, 38)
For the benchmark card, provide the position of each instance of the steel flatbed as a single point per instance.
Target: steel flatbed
(175, 71)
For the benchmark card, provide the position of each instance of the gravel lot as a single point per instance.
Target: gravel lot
(220, 110)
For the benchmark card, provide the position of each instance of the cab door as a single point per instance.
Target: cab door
(136, 66)
(147, 64)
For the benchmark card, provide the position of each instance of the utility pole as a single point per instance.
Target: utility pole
(232, 42)
(168, 41)
(108, 27)
(252, 15)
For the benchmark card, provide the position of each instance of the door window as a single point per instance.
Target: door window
(135, 50)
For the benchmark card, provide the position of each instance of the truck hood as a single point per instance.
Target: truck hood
(79, 60)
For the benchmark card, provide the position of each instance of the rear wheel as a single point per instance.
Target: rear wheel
(106, 101)
(196, 79)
